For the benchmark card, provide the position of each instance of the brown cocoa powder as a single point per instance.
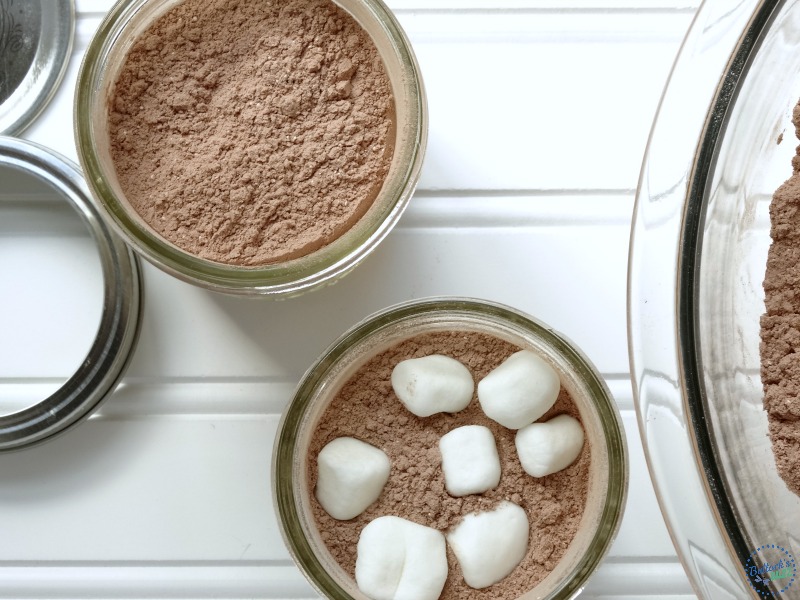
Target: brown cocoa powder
(367, 408)
(780, 325)
(250, 132)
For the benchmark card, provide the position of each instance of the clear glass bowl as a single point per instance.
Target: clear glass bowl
(698, 256)
(599, 414)
(102, 62)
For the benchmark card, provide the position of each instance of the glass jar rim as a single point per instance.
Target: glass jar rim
(284, 469)
(284, 278)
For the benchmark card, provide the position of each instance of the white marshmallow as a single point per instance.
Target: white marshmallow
(546, 448)
(400, 560)
(469, 460)
(519, 391)
(490, 545)
(350, 476)
(432, 384)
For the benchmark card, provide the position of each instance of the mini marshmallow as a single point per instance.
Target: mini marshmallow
(545, 448)
(432, 384)
(519, 391)
(469, 460)
(489, 545)
(400, 560)
(350, 476)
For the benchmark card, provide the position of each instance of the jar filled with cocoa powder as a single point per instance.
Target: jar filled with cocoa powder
(253, 148)
(574, 514)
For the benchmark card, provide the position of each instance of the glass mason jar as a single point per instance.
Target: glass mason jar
(103, 61)
(608, 475)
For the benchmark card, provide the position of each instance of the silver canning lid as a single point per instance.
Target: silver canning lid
(35, 43)
(119, 323)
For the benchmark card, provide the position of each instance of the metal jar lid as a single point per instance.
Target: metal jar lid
(35, 43)
(118, 330)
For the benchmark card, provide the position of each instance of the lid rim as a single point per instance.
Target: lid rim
(117, 334)
(46, 71)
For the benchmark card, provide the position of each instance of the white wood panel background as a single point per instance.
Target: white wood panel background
(539, 115)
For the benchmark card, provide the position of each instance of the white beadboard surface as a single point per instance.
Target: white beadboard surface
(539, 116)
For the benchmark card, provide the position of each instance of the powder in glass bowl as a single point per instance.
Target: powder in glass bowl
(780, 326)
(367, 408)
(249, 133)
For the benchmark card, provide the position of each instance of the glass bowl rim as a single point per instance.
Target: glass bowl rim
(717, 53)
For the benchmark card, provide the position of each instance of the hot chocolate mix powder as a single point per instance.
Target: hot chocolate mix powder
(250, 132)
(780, 326)
(367, 408)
